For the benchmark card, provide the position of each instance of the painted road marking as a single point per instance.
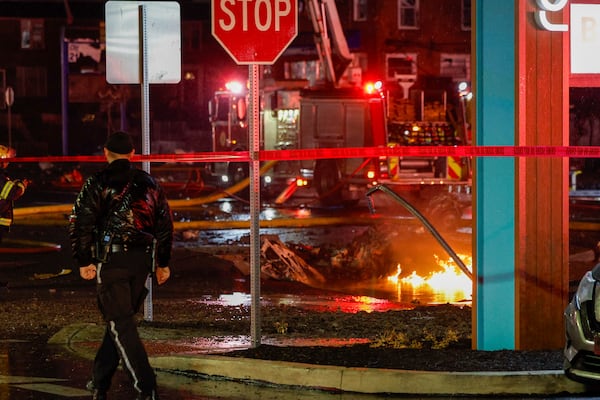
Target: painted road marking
(11, 380)
(64, 391)
(45, 385)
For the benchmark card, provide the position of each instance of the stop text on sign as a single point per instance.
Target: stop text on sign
(264, 15)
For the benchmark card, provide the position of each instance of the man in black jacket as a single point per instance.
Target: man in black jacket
(120, 229)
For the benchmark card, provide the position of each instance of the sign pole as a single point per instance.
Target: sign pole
(128, 60)
(9, 99)
(252, 40)
(254, 142)
(9, 121)
(145, 84)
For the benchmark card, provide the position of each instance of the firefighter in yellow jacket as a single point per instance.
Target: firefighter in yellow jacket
(10, 190)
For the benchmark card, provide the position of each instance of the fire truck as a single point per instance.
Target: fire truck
(293, 118)
(298, 115)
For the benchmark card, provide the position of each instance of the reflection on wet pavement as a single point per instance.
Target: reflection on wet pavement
(324, 303)
(405, 299)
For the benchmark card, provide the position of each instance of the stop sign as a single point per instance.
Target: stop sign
(254, 31)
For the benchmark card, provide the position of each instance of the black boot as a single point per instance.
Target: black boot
(97, 394)
(148, 396)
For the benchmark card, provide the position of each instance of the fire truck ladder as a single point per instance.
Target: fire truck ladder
(321, 12)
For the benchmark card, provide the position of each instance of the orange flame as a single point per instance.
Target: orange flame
(450, 284)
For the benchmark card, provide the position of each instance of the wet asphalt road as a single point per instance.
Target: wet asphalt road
(36, 370)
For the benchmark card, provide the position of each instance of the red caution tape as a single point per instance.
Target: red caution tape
(180, 158)
(346, 152)
(434, 151)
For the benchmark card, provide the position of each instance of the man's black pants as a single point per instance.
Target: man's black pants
(121, 291)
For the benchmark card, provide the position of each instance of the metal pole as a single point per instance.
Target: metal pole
(254, 139)
(9, 128)
(148, 311)
(64, 89)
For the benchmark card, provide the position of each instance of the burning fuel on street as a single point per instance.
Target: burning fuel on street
(449, 285)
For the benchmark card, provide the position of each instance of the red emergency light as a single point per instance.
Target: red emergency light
(374, 88)
(235, 87)
(301, 182)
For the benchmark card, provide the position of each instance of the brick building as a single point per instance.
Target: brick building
(52, 55)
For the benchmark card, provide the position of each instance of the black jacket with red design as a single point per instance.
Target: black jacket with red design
(131, 215)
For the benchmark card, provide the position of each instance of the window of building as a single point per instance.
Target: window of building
(191, 35)
(31, 82)
(32, 34)
(312, 71)
(465, 21)
(408, 14)
(2, 87)
(360, 10)
(356, 68)
(456, 66)
(400, 65)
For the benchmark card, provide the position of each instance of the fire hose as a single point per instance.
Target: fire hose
(175, 203)
(421, 218)
(180, 203)
(14, 246)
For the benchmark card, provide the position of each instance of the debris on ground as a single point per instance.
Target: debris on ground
(278, 262)
(281, 263)
(49, 275)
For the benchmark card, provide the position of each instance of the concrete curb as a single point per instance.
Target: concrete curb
(372, 380)
(357, 380)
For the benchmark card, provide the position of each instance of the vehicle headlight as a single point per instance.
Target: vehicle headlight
(585, 290)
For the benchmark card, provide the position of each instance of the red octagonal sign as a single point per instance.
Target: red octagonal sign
(254, 31)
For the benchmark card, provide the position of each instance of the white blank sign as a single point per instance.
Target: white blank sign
(123, 41)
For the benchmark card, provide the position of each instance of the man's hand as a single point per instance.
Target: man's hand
(88, 272)
(162, 274)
